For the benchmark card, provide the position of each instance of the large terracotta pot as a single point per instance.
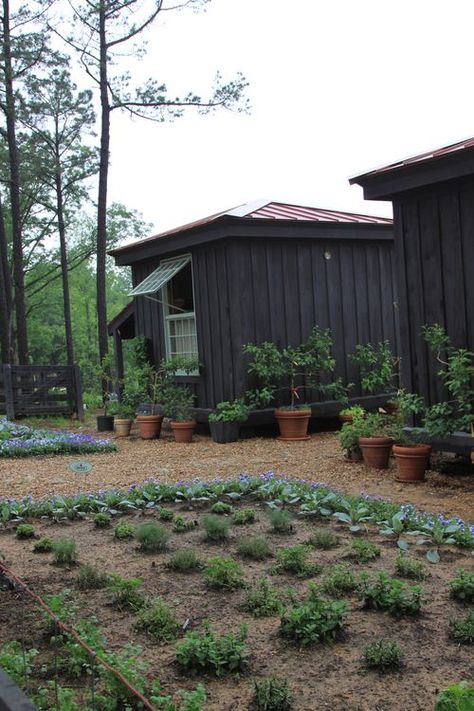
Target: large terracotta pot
(149, 426)
(412, 461)
(183, 431)
(376, 451)
(122, 426)
(293, 424)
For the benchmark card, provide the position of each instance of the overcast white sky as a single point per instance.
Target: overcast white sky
(337, 87)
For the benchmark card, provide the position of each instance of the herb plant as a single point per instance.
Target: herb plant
(272, 694)
(216, 654)
(339, 581)
(216, 528)
(323, 538)
(391, 594)
(158, 621)
(220, 507)
(182, 524)
(363, 550)
(44, 545)
(25, 530)
(234, 411)
(165, 514)
(124, 530)
(409, 567)
(294, 560)
(223, 573)
(102, 520)
(462, 587)
(152, 537)
(263, 600)
(280, 520)
(15, 662)
(383, 655)
(126, 593)
(185, 560)
(461, 630)
(457, 697)
(90, 578)
(64, 551)
(255, 547)
(313, 620)
(244, 516)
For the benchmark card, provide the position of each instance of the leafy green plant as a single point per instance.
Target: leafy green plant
(176, 399)
(352, 512)
(382, 655)
(280, 519)
(462, 629)
(409, 567)
(313, 620)
(15, 661)
(363, 550)
(152, 537)
(182, 524)
(391, 594)
(165, 514)
(216, 528)
(89, 578)
(102, 520)
(124, 530)
(44, 545)
(126, 593)
(255, 547)
(462, 587)
(339, 580)
(25, 530)
(185, 560)
(77, 660)
(223, 573)
(234, 411)
(272, 694)
(244, 516)
(63, 608)
(158, 621)
(457, 697)
(220, 507)
(323, 538)
(294, 560)
(209, 652)
(353, 411)
(263, 600)
(64, 551)
(378, 367)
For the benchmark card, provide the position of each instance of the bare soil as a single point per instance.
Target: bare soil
(321, 677)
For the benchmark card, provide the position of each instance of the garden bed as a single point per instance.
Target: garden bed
(321, 676)
(22, 441)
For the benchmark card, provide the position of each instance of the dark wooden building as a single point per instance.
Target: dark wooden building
(433, 204)
(266, 271)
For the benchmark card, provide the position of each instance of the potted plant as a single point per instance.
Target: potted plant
(126, 412)
(349, 435)
(225, 422)
(176, 399)
(348, 414)
(148, 419)
(379, 370)
(376, 440)
(292, 369)
(105, 422)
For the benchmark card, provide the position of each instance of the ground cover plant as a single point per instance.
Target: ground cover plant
(383, 655)
(272, 695)
(214, 653)
(313, 619)
(223, 573)
(256, 547)
(294, 560)
(152, 537)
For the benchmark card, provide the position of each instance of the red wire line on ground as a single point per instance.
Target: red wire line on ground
(18, 581)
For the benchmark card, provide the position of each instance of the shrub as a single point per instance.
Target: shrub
(185, 560)
(89, 578)
(457, 697)
(165, 514)
(363, 550)
(272, 694)
(244, 516)
(382, 655)
(280, 520)
(323, 538)
(263, 600)
(221, 508)
(152, 537)
(409, 567)
(124, 530)
(25, 530)
(390, 594)
(462, 587)
(339, 581)
(294, 560)
(462, 629)
(102, 520)
(209, 652)
(223, 573)
(64, 551)
(126, 595)
(183, 524)
(313, 620)
(44, 545)
(255, 547)
(216, 528)
(16, 661)
(158, 621)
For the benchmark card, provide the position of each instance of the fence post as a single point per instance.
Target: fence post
(8, 389)
(78, 391)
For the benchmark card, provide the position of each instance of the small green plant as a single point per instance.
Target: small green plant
(216, 528)
(457, 697)
(89, 578)
(165, 514)
(339, 580)
(63, 608)
(294, 560)
(462, 587)
(102, 520)
(183, 524)
(255, 547)
(353, 411)
(378, 367)
(280, 520)
(323, 538)
(158, 621)
(409, 567)
(382, 655)
(44, 545)
(185, 560)
(390, 594)
(272, 694)
(25, 530)
(462, 629)
(244, 516)
(76, 659)
(15, 661)
(126, 593)
(152, 537)
(221, 508)
(64, 551)
(263, 600)
(124, 530)
(313, 620)
(234, 411)
(363, 550)
(209, 652)
(223, 573)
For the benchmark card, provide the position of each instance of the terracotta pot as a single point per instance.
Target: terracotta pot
(183, 431)
(376, 451)
(149, 426)
(293, 424)
(412, 461)
(122, 427)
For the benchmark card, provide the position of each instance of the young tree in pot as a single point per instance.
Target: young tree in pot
(298, 367)
(105, 374)
(225, 422)
(349, 435)
(176, 399)
(126, 410)
(379, 370)
(148, 419)
(376, 440)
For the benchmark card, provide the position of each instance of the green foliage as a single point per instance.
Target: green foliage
(263, 600)
(323, 538)
(234, 411)
(221, 508)
(378, 367)
(76, 659)
(457, 697)
(126, 593)
(165, 514)
(185, 560)
(63, 608)
(462, 587)
(182, 524)
(176, 400)
(383, 655)
(294, 560)
(102, 520)
(272, 694)
(124, 530)
(152, 537)
(223, 573)
(255, 547)
(64, 551)
(158, 621)
(349, 436)
(25, 530)
(390, 594)
(409, 567)
(462, 629)
(45, 698)
(216, 654)
(313, 620)
(90, 578)
(363, 550)
(353, 411)
(339, 580)
(244, 516)
(280, 519)
(44, 545)
(16, 663)
(215, 527)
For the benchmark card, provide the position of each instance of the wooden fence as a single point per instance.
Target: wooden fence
(27, 390)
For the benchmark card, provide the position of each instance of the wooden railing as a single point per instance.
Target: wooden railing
(27, 390)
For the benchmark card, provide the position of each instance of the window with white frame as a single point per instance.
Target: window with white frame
(177, 296)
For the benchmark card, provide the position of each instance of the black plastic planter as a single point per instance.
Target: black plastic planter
(224, 432)
(105, 423)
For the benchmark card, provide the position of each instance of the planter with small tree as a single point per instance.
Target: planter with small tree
(148, 419)
(105, 422)
(349, 414)
(376, 440)
(126, 409)
(225, 422)
(176, 399)
(379, 370)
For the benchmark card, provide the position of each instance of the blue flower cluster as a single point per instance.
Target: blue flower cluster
(22, 441)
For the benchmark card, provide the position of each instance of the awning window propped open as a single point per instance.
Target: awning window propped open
(161, 276)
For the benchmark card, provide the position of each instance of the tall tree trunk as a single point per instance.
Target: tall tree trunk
(17, 244)
(6, 341)
(64, 266)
